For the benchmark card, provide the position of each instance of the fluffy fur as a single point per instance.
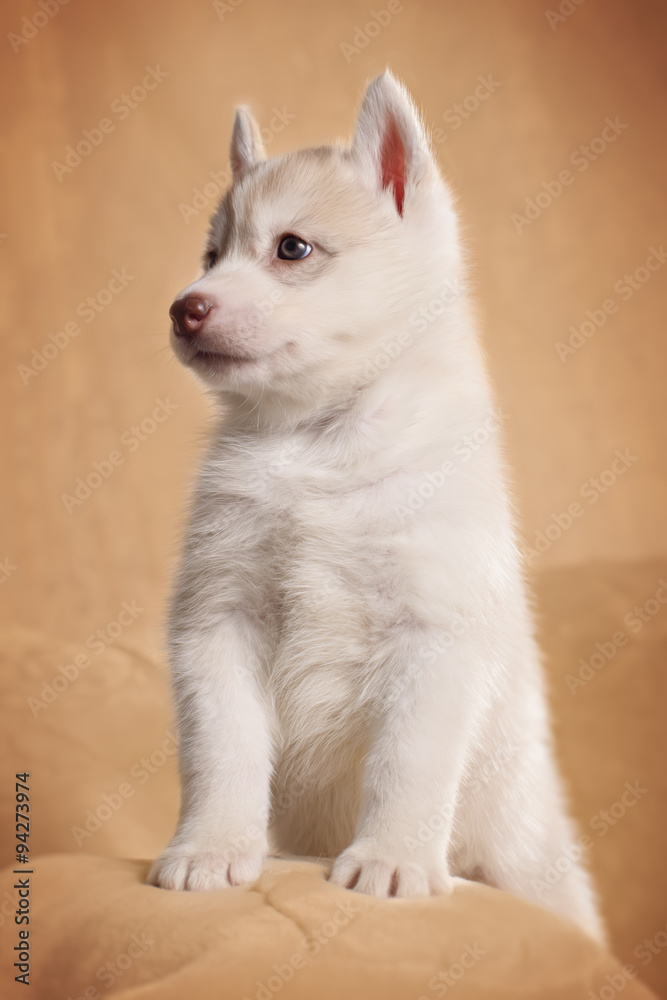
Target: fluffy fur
(351, 642)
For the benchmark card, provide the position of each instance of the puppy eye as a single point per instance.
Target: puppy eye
(211, 259)
(293, 248)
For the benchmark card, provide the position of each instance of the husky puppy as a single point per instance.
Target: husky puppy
(351, 642)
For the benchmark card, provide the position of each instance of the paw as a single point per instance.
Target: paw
(184, 868)
(365, 868)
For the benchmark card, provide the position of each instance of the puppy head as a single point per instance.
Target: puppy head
(315, 258)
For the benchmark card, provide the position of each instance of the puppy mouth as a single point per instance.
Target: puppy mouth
(212, 362)
(219, 359)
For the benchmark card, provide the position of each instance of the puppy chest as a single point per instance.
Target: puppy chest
(325, 554)
(338, 575)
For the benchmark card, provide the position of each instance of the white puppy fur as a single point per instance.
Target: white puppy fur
(351, 641)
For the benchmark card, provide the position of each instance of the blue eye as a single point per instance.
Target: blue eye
(293, 248)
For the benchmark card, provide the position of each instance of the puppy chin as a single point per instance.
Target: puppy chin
(231, 373)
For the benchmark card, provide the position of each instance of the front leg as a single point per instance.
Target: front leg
(423, 724)
(225, 760)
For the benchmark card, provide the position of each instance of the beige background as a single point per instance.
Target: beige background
(67, 574)
(120, 209)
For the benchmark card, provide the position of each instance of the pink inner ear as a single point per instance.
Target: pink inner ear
(392, 159)
(236, 163)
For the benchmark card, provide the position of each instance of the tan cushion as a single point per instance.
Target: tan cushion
(100, 749)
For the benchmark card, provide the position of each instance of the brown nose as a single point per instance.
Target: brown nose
(188, 315)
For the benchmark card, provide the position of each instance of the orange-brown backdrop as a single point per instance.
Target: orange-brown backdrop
(516, 93)
(552, 85)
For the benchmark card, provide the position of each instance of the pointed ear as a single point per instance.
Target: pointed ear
(246, 147)
(389, 140)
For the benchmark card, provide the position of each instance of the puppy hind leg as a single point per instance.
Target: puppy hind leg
(524, 844)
